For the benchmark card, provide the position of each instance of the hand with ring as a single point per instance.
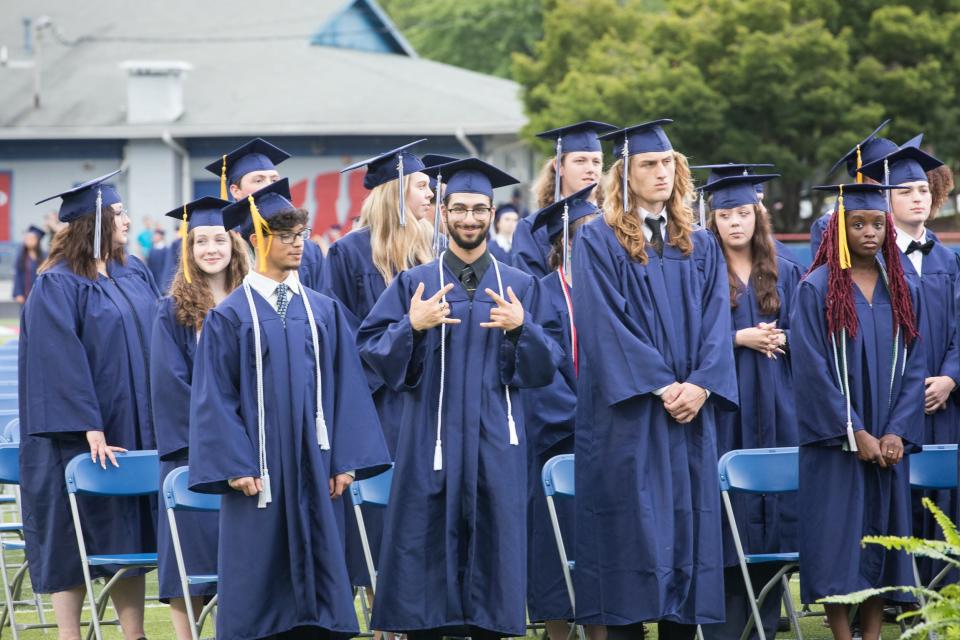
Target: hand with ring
(892, 448)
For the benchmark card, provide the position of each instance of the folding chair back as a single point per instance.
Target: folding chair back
(373, 491)
(558, 476)
(9, 463)
(178, 496)
(138, 474)
(760, 470)
(935, 467)
(11, 431)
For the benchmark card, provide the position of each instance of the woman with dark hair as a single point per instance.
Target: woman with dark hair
(29, 259)
(501, 233)
(858, 375)
(84, 389)
(213, 263)
(762, 284)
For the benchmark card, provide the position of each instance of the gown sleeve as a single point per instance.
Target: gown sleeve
(622, 359)
(19, 272)
(951, 359)
(533, 359)
(220, 447)
(906, 415)
(337, 282)
(57, 392)
(170, 375)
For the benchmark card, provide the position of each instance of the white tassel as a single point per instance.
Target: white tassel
(323, 439)
(265, 496)
(703, 215)
(438, 457)
(511, 424)
(98, 222)
(514, 440)
(851, 438)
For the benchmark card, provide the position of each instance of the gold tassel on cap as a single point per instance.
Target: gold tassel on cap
(223, 179)
(842, 232)
(184, 229)
(859, 164)
(260, 227)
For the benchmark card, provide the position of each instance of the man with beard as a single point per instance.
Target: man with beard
(454, 336)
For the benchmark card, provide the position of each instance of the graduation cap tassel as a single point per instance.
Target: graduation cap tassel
(182, 233)
(566, 235)
(702, 206)
(556, 170)
(438, 449)
(511, 423)
(223, 179)
(842, 232)
(99, 223)
(437, 220)
(261, 228)
(323, 436)
(265, 496)
(859, 165)
(626, 173)
(886, 180)
(400, 193)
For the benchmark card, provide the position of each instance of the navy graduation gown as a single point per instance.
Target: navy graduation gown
(648, 508)
(531, 249)
(157, 262)
(280, 567)
(456, 537)
(938, 288)
(24, 273)
(505, 256)
(842, 499)
(816, 233)
(83, 365)
(311, 266)
(172, 351)
(350, 276)
(171, 264)
(549, 414)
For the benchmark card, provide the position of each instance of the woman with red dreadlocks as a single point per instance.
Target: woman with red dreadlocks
(858, 373)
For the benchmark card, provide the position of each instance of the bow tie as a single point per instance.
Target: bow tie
(923, 248)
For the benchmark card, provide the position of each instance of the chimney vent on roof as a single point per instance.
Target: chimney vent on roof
(154, 90)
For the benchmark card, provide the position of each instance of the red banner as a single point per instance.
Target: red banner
(6, 182)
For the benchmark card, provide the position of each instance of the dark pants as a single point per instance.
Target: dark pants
(474, 633)
(665, 631)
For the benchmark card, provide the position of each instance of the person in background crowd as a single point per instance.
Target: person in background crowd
(501, 234)
(28, 260)
(157, 258)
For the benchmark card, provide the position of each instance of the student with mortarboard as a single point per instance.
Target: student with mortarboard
(577, 163)
(84, 389)
(393, 235)
(454, 335)
(244, 171)
(29, 258)
(868, 150)
(502, 232)
(935, 270)
(762, 284)
(213, 263)
(858, 375)
(277, 426)
(652, 307)
(549, 414)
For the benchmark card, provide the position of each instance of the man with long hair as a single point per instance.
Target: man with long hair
(655, 358)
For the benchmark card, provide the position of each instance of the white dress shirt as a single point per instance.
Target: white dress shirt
(903, 242)
(647, 233)
(267, 287)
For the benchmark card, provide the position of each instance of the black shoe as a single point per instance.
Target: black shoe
(783, 625)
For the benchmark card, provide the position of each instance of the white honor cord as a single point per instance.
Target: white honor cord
(843, 379)
(264, 498)
(511, 424)
(323, 437)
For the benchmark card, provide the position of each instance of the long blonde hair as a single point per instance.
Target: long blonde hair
(628, 227)
(546, 183)
(394, 248)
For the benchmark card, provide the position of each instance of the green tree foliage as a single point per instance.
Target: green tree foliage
(793, 82)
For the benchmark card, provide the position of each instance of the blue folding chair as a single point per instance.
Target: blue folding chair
(138, 475)
(177, 496)
(372, 491)
(934, 468)
(11, 431)
(761, 471)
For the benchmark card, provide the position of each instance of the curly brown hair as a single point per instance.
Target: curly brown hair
(192, 300)
(941, 184)
(629, 228)
(764, 267)
(546, 182)
(73, 244)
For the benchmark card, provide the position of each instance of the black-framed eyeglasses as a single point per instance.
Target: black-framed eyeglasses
(290, 238)
(479, 213)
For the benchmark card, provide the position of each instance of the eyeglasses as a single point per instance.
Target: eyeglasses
(479, 213)
(290, 238)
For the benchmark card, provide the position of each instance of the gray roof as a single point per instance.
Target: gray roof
(251, 75)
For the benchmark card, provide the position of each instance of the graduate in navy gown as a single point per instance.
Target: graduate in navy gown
(212, 265)
(242, 172)
(579, 157)
(653, 320)
(868, 150)
(357, 271)
(84, 389)
(29, 258)
(762, 284)
(858, 375)
(277, 426)
(934, 269)
(157, 258)
(454, 335)
(549, 413)
(501, 233)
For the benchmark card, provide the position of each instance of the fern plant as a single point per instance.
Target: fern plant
(939, 611)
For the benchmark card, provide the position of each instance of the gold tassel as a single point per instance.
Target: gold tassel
(260, 227)
(184, 229)
(859, 164)
(223, 179)
(842, 232)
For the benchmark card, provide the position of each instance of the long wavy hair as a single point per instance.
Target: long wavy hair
(763, 255)
(941, 184)
(546, 183)
(394, 248)
(628, 227)
(193, 300)
(841, 310)
(73, 244)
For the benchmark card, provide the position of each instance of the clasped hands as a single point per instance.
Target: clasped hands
(683, 401)
(765, 338)
(885, 451)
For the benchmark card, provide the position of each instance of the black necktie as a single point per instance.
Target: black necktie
(656, 236)
(469, 280)
(923, 248)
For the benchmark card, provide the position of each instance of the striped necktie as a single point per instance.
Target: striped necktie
(282, 302)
